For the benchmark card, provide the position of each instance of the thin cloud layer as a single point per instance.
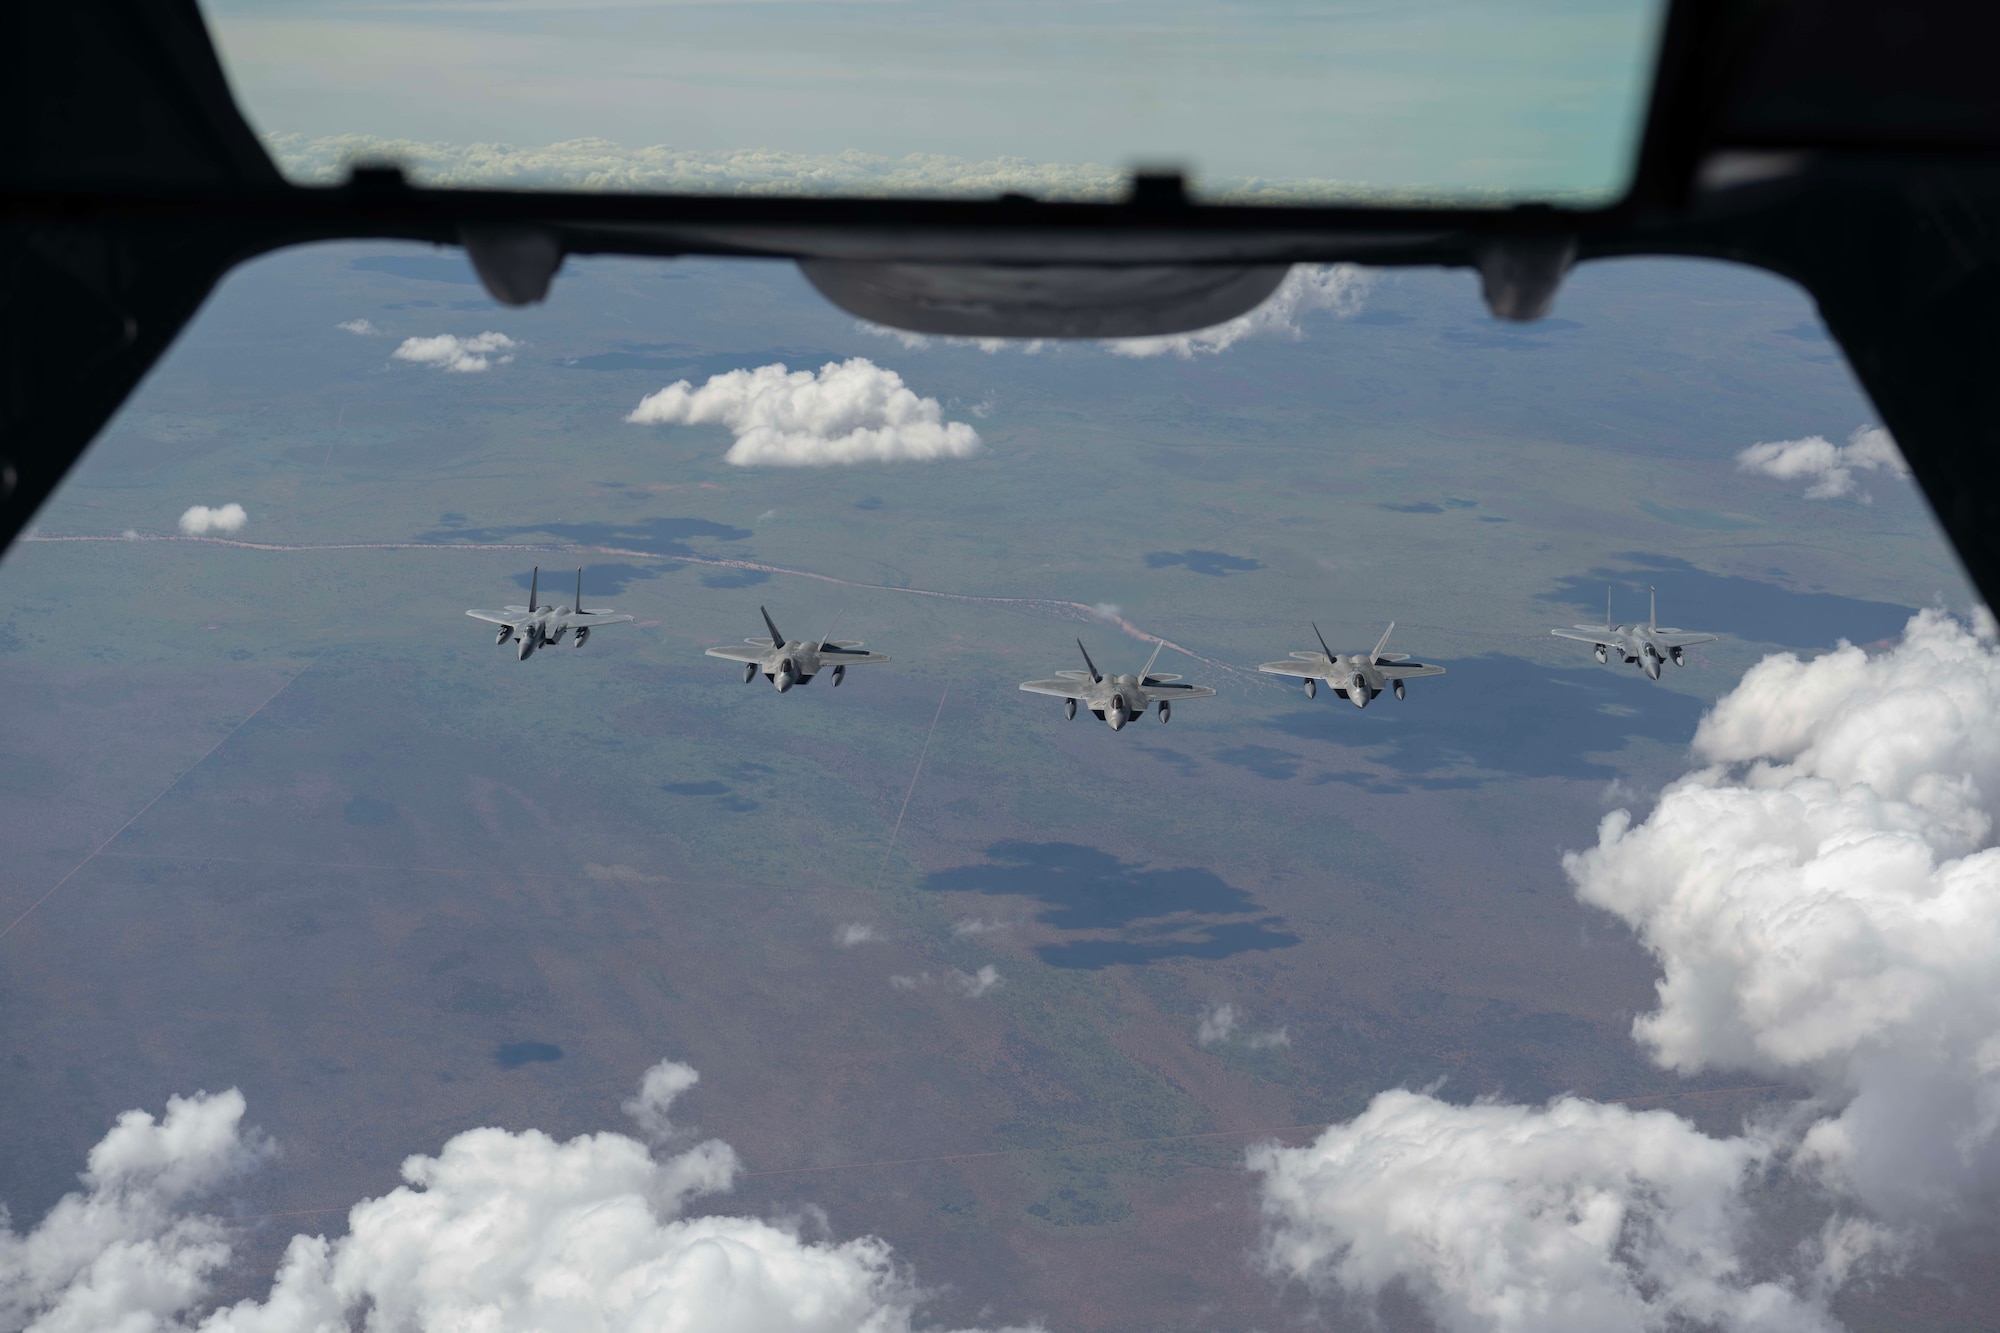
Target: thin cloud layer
(1336, 289)
(1823, 898)
(503, 1232)
(361, 328)
(852, 411)
(600, 164)
(466, 356)
(1830, 467)
(200, 520)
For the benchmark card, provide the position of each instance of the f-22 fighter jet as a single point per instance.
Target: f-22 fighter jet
(538, 626)
(1646, 646)
(788, 662)
(1116, 700)
(1355, 677)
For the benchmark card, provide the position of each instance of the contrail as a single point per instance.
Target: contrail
(914, 775)
(156, 800)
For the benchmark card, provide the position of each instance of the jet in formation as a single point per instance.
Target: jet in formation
(1646, 646)
(1355, 677)
(537, 626)
(788, 662)
(1117, 699)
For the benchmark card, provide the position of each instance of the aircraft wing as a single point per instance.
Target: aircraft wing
(496, 617)
(1307, 669)
(595, 618)
(1171, 691)
(747, 653)
(1061, 689)
(1680, 638)
(1073, 675)
(1400, 671)
(1605, 640)
(850, 657)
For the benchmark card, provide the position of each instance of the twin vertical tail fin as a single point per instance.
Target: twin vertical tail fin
(1095, 674)
(1653, 613)
(534, 585)
(1382, 643)
(777, 639)
(577, 606)
(1146, 675)
(1322, 640)
(1607, 606)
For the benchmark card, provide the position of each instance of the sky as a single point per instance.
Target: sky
(1522, 97)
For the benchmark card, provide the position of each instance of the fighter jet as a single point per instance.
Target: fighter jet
(1355, 677)
(537, 626)
(1117, 699)
(788, 662)
(1647, 646)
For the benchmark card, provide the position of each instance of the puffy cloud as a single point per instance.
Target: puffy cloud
(1824, 902)
(855, 932)
(658, 1089)
(466, 356)
(1339, 289)
(360, 327)
(974, 985)
(200, 520)
(1215, 1025)
(1220, 1023)
(1823, 899)
(1831, 467)
(499, 1231)
(852, 411)
(1577, 1216)
(122, 1252)
(973, 926)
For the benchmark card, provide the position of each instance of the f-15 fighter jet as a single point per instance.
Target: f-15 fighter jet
(788, 662)
(1355, 677)
(1117, 699)
(1646, 646)
(537, 626)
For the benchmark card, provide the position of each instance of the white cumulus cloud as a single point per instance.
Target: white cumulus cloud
(500, 1231)
(1830, 467)
(852, 411)
(359, 327)
(1824, 902)
(200, 520)
(976, 984)
(466, 356)
(1337, 289)
(1823, 899)
(1573, 1218)
(855, 932)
